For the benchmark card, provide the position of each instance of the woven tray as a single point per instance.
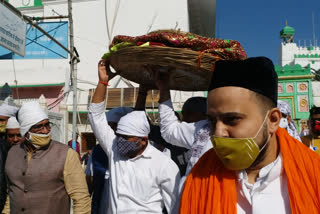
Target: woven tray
(188, 70)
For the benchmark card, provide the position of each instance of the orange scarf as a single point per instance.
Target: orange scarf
(211, 188)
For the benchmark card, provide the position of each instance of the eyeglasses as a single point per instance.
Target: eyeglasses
(14, 135)
(39, 127)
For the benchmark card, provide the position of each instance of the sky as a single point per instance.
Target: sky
(256, 24)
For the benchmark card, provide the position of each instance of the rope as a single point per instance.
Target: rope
(15, 77)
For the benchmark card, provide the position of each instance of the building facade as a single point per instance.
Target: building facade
(297, 69)
(45, 69)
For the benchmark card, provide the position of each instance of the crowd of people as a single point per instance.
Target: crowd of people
(236, 151)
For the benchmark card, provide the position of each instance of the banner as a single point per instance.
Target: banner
(39, 46)
(12, 31)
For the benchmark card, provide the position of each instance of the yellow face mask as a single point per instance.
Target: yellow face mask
(3, 128)
(237, 153)
(39, 140)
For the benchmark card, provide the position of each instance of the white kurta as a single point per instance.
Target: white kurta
(268, 195)
(194, 136)
(143, 184)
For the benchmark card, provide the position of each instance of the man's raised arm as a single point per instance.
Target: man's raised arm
(97, 116)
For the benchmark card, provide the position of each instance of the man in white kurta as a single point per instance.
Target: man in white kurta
(193, 136)
(140, 184)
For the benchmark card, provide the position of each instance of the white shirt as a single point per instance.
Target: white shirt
(139, 185)
(194, 136)
(269, 194)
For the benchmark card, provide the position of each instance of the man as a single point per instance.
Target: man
(313, 139)
(194, 110)
(6, 111)
(286, 121)
(13, 137)
(43, 174)
(97, 170)
(138, 182)
(85, 157)
(192, 133)
(3, 183)
(254, 166)
(13, 132)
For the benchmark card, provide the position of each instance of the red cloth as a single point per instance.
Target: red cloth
(211, 188)
(224, 49)
(77, 147)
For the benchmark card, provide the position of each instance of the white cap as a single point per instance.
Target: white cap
(8, 110)
(134, 124)
(13, 123)
(30, 114)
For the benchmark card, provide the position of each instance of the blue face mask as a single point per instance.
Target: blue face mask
(126, 148)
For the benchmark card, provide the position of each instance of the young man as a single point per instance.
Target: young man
(44, 174)
(143, 179)
(254, 166)
(13, 132)
(313, 139)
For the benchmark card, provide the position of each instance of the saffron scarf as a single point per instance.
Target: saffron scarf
(211, 188)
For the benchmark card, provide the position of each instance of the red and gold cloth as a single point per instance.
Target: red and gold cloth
(221, 48)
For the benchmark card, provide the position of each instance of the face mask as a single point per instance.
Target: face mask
(283, 123)
(316, 127)
(39, 140)
(126, 147)
(3, 128)
(238, 153)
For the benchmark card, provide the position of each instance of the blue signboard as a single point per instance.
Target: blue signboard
(39, 46)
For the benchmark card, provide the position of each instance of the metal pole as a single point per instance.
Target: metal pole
(73, 71)
(47, 17)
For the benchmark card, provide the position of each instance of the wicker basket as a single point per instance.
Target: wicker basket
(188, 70)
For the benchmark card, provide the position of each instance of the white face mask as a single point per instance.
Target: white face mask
(283, 123)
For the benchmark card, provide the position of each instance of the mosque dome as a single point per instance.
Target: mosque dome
(287, 31)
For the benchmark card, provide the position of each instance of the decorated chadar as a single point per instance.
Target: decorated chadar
(189, 58)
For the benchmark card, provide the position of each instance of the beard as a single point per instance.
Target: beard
(263, 143)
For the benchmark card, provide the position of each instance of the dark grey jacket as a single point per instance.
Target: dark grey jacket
(3, 183)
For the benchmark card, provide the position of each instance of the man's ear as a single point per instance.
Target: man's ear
(289, 118)
(274, 120)
(144, 140)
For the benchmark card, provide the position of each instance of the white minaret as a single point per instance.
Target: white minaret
(288, 47)
(290, 53)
